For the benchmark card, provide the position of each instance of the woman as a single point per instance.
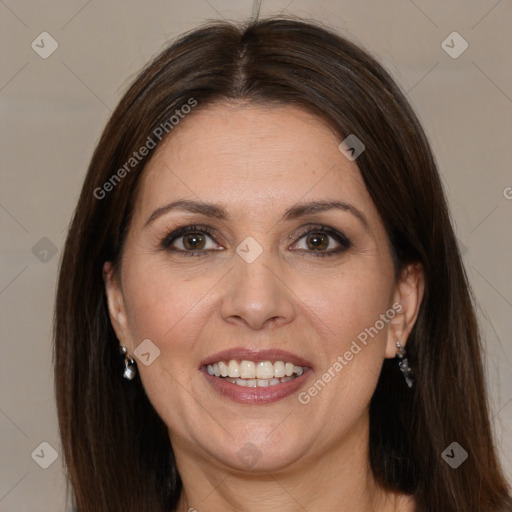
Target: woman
(261, 303)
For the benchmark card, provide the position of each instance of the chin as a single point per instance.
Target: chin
(266, 451)
(250, 458)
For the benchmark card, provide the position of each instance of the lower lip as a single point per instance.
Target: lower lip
(256, 396)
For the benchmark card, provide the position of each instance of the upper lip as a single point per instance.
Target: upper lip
(248, 354)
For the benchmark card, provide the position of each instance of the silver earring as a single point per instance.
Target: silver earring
(404, 364)
(129, 364)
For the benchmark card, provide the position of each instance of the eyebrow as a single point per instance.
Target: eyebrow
(294, 212)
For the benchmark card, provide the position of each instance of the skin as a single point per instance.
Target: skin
(256, 162)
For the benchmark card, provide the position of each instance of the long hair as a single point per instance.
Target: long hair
(116, 447)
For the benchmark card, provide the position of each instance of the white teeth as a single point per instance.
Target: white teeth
(251, 374)
(279, 369)
(265, 370)
(233, 369)
(223, 369)
(247, 370)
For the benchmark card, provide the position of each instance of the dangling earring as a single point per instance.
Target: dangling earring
(404, 364)
(129, 365)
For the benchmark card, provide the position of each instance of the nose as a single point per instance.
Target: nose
(257, 294)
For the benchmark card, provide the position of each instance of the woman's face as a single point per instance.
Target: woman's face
(246, 290)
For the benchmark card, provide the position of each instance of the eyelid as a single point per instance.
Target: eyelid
(343, 241)
(312, 228)
(179, 232)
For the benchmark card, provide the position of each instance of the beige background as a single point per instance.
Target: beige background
(54, 110)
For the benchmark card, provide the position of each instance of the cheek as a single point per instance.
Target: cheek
(163, 304)
(167, 308)
(350, 301)
(352, 311)
(352, 353)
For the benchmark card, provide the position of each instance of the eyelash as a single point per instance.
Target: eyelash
(344, 242)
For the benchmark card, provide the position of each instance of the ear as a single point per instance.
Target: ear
(116, 306)
(407, 299)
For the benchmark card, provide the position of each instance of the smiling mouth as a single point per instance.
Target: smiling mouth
(254, 374)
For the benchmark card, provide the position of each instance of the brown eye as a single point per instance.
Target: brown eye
(193, 241)
(317, 241)
(190, 241)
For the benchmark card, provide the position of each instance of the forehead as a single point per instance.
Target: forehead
(251, 157)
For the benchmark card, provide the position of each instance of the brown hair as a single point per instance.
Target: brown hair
(116, 447)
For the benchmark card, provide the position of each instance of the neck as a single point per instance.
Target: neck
(339, 479)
